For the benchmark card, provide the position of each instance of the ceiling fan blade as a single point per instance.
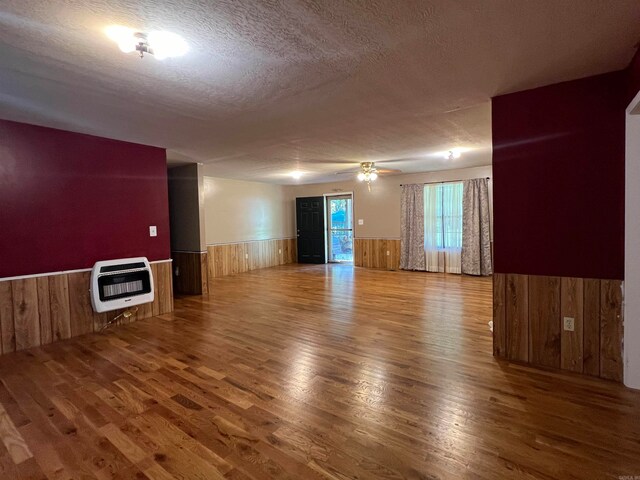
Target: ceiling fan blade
(330, 162)
(460, 109)
(391, 160)
(349, 172)
(388, 170)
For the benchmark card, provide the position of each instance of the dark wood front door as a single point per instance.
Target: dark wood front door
(310, 224)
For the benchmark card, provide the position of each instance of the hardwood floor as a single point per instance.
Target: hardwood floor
(309, 372)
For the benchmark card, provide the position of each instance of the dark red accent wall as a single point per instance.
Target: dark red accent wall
(633, 77)
(68, 200)
(558, 177)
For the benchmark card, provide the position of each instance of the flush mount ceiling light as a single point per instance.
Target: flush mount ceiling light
(158, 43)
(296, 175)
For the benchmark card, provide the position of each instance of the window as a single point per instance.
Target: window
(443, 216)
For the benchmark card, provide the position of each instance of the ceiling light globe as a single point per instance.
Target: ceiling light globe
(127, 46)
(159, 55)
(167, 44)
(118, 33)
(361, 176)
(373, 176)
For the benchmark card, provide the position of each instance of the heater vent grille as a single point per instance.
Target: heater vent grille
(121, 283)
(120, 288)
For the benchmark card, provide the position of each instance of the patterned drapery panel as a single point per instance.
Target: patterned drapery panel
(412, 228)
(476, 236)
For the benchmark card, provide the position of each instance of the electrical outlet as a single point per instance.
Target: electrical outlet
(569, 324)
(388, 253)
(246, 255)
(361, 221)
(153, 231)
(279, 250)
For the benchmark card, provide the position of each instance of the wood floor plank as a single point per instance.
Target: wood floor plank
(12, 439)
(331, 372)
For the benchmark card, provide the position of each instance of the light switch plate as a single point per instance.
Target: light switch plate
(569, 324)
(361, 221)
(153, 231)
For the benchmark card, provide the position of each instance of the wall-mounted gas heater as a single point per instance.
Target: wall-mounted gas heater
(121, 284)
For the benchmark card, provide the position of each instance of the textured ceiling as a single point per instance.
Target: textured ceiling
(271, 86)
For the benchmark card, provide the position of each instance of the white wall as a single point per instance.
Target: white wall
(632, 248)
(238, 211)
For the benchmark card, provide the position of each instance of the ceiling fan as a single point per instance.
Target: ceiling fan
(368, 172)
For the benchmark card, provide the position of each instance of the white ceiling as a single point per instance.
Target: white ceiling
(269, 87)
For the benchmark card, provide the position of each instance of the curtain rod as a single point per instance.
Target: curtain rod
(445, 181)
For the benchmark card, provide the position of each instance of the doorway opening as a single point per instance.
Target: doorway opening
(340, 228)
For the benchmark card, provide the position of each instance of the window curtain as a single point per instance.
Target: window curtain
(443, 227)
(476, 237)
(412, 228)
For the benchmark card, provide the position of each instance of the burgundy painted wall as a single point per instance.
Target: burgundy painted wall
(558, 179)
(68, 200)
(633, 73)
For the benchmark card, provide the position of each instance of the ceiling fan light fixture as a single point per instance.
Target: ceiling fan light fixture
(368, 173)
(158, 43)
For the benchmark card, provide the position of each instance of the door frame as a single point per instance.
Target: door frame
(327, 223)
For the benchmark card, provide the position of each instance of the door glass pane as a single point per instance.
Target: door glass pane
(341, 213)
(341, 246)
(341, 229)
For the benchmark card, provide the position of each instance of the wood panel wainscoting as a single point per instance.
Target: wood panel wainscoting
(38, 310)
(190, 274)
(381, 253)
(231, 258)
(528, 323)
